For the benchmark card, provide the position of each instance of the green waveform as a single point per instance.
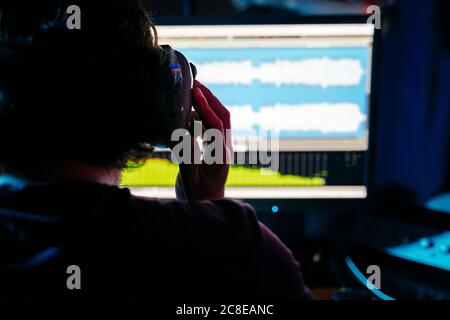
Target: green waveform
(161, 172)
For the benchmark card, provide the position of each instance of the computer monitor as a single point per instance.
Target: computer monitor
(301, 89)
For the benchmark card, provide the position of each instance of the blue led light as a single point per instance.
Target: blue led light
(275, 209)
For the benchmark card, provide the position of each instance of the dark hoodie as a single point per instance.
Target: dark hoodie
(131, 247)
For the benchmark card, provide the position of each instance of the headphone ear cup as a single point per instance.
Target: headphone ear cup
(184, 95)
(183, 81)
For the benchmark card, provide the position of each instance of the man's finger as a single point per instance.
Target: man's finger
(221, 111)
(207, 114)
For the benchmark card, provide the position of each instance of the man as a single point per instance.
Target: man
(78, 104)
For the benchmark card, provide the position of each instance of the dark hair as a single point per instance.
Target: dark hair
(101, 94)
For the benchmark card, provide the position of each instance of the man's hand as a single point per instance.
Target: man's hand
(207, 181)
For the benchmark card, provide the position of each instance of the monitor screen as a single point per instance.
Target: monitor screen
(299, 102)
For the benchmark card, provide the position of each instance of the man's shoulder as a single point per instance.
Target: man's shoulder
(223, 242)
(221, 214)
(220, 235)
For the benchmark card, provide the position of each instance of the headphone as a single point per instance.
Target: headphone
(184, 74)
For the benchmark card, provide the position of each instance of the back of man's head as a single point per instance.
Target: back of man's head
(96, 89)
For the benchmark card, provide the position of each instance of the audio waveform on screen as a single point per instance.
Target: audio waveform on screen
(163, 173)
(324, 72)
(299, 92)
(340, 117)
